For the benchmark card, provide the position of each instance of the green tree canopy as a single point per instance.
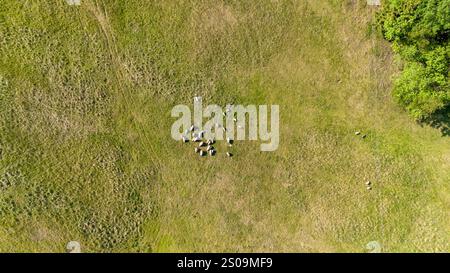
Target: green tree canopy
(419, 32)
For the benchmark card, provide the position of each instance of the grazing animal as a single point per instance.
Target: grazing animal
(184, 139)
(202, 153)
(212, 152)
(196, 150)
(229, 154)
(202, 144)
(229, 141)
(209, 148)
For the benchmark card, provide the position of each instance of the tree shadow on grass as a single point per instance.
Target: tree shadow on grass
(440, 120)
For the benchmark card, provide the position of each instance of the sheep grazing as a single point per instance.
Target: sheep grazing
(196, 139)
(184, 139)
(201, 134)
(229, 141)
(212, 152)
(202, 153)
(209, 148)
(197, 150)
(357, 133)
(368, 183)
(224, 129)
(229, 154)
(210, 142)
(195, 134)
(202, 144)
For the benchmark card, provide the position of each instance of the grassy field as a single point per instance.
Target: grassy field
(86, 153)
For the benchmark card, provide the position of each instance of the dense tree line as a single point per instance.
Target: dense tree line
(419, 31)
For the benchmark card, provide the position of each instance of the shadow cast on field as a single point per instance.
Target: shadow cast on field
(440, 120)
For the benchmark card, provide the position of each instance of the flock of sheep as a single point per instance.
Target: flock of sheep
(205, 147)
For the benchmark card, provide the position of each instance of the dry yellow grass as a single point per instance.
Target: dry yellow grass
(85, 131)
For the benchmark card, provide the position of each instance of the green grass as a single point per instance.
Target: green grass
(86, 153)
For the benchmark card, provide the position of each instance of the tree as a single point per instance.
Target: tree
(419, 31)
